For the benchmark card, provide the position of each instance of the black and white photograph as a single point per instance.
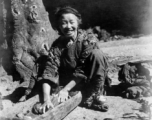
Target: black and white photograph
(75, 59)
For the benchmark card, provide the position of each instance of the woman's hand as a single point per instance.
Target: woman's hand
(63, 96)
(46, 105)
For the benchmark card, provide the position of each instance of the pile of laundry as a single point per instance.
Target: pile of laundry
(135, 81)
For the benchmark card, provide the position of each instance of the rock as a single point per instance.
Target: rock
(3, 80)
(27, 118)
(20, 115)
(8, 89)
(108, 119)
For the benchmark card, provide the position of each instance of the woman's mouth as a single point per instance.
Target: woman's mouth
(69, 32)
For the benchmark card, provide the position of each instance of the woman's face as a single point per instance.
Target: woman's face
(68, 25)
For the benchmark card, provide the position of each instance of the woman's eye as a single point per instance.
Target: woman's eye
(72, 22)
(63, 23)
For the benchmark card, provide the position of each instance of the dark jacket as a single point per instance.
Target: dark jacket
(68, 59)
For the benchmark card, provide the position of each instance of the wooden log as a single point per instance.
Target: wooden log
(62, 110)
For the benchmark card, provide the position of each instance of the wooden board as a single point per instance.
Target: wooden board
(135, 60)
(58, 113)
(61, 110)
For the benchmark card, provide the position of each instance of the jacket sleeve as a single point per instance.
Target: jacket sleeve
(52, 65)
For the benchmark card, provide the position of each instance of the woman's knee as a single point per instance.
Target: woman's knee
(97, 57)
(97, 54)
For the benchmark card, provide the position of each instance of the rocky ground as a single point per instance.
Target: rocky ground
(119, 108)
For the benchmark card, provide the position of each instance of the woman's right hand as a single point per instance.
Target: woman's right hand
(46, 105)
(63, 96)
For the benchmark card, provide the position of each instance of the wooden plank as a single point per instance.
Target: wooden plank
(62, 110)
(59, 112)
(135, 60)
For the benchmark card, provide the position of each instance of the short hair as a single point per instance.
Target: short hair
(65, 10)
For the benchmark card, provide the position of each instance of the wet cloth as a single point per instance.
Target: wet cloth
(135, 81)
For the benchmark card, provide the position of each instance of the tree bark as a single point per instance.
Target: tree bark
(32, 32)
(6, 28)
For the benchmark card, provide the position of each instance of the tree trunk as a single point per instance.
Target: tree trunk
(32, 32)
(6, 28)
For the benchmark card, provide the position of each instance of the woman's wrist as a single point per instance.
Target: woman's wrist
(70, 85)
(46, 92)
(46, 98)
(66, 89)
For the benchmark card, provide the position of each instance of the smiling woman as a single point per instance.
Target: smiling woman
(75, 18)
(75, 59)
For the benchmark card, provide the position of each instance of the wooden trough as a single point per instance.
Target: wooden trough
(59, 112)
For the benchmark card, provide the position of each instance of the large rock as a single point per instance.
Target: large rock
(32, 34)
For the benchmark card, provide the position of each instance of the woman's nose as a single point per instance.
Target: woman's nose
(68, 25)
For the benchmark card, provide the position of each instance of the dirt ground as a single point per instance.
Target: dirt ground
(119, 108)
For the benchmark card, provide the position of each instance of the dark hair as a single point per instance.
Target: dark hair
(63, 10)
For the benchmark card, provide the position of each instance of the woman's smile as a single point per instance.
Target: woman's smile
(69, 32)
(69, 25)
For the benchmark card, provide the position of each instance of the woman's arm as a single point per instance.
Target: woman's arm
(71, 84)
(49, 77)
(63, 94)
(46, 88)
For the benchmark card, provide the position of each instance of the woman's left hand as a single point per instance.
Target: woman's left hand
(63, 96)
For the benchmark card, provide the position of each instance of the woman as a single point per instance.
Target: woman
(73, 59)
